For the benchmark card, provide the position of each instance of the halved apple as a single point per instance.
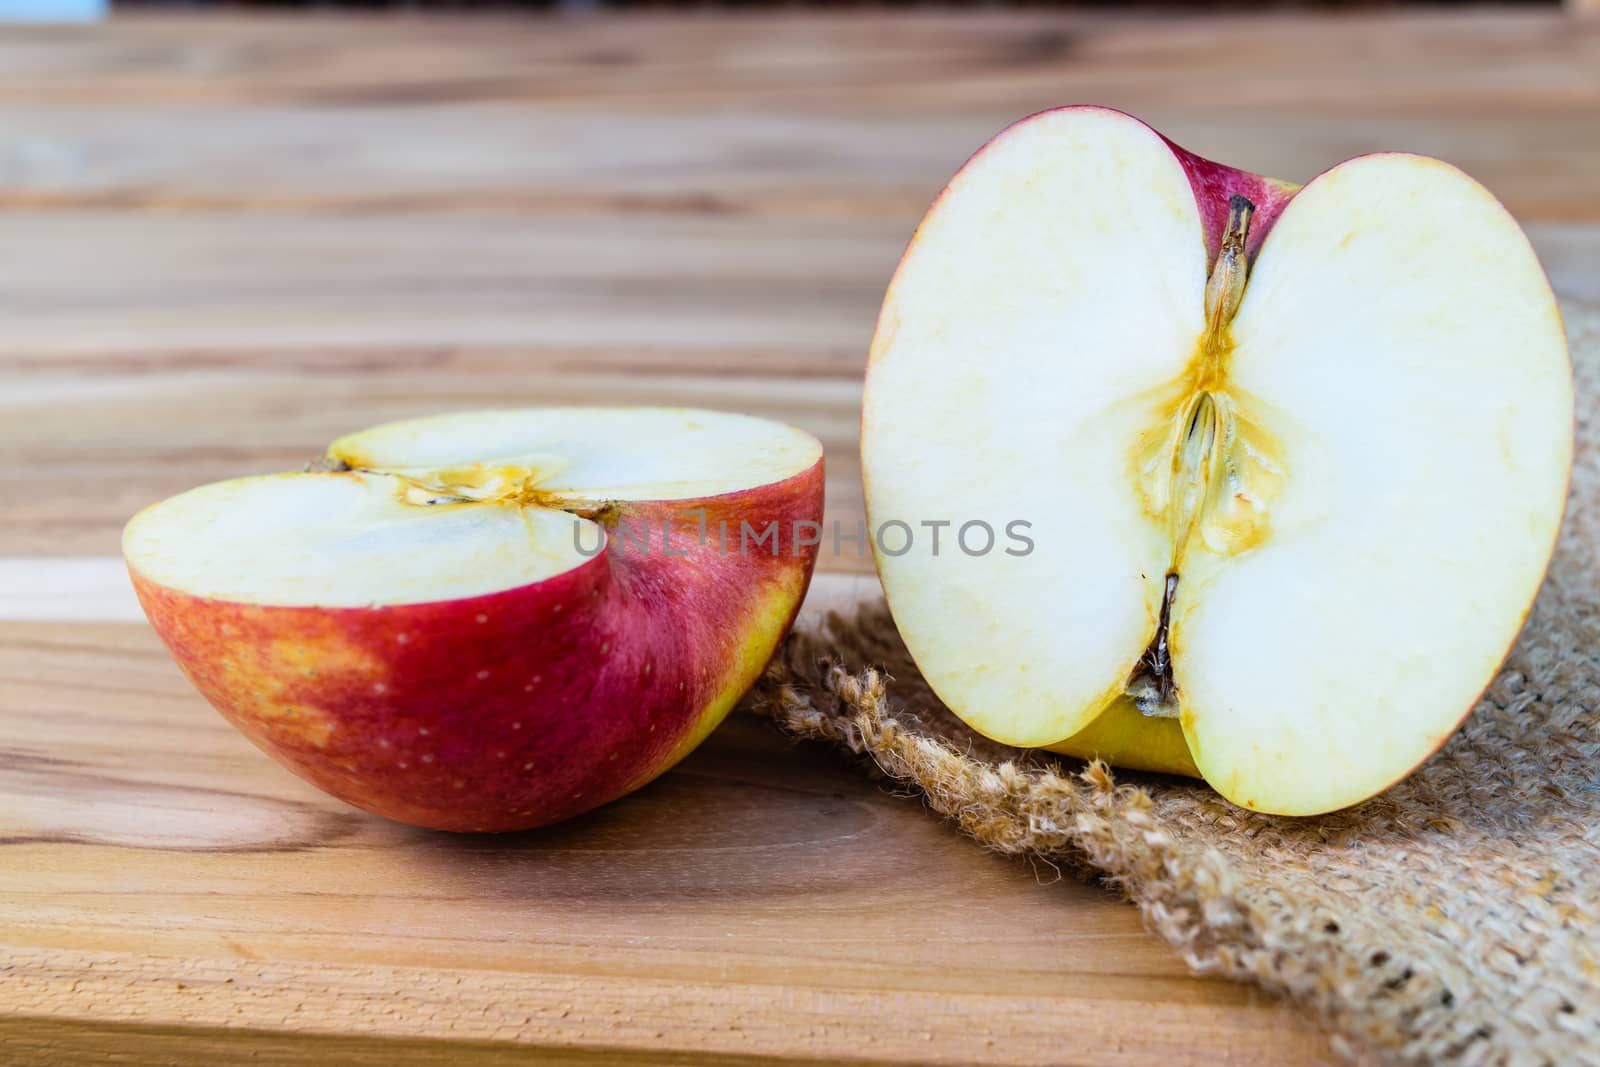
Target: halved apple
(1294, 459)
(493, 620)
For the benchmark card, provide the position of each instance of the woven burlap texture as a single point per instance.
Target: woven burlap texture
(1454, 919)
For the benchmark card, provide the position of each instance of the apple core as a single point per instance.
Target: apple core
(1208, 471)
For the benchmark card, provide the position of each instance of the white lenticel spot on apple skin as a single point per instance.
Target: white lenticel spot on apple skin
(557, 609)
(482, 619)
(383, 742)
(482, 675)
(605, 648)
(402, 638)
(516, 726)
(403, 765)
(423, 731)
(427, 757)
(527, 766)
(379, 687)
(459, 784)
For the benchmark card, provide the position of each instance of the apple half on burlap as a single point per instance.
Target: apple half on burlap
(1294, 458)
(491, 620)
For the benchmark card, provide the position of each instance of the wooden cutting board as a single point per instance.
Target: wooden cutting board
(228, 240)
(163, 880)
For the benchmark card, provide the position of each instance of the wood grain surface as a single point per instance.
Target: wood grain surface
(228, 240)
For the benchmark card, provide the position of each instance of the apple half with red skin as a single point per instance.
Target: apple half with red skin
(1294, 459)
(490, 621)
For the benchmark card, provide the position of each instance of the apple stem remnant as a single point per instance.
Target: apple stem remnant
(1225, 290)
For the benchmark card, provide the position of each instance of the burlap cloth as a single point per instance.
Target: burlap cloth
(1453, 919)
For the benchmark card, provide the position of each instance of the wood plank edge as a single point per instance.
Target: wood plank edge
(32, 1039)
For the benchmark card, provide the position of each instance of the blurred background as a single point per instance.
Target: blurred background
(233, 234)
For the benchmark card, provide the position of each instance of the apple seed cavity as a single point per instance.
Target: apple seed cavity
(1206, 468)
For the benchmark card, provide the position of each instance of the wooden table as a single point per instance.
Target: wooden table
(226, 241)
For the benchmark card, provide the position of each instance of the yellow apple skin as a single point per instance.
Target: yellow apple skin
(1125, 738)
(514, 709)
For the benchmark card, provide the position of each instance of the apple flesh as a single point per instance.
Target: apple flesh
(1294, 458)
(490, 621)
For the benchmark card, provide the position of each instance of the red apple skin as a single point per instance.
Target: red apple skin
(515, 709)
(1214, 185)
